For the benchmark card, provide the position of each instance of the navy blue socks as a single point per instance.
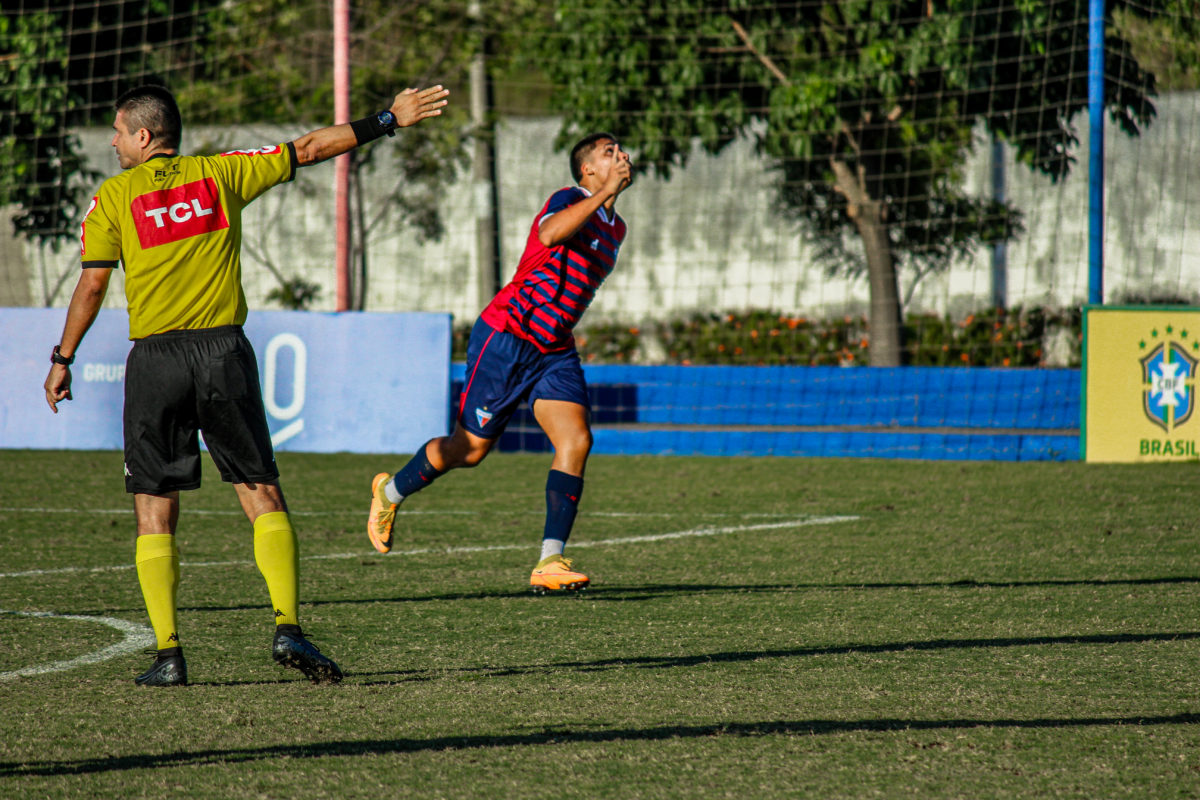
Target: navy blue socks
(562, 502)
(415, 476)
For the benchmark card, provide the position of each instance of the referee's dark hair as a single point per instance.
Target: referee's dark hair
(583, 150)
(153, 108)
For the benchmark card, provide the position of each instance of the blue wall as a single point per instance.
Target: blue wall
(912, 412)
(326, 390)
(359, 382)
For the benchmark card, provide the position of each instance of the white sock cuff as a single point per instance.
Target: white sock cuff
(552, 547)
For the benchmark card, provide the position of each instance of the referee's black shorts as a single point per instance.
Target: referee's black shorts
(181, 382)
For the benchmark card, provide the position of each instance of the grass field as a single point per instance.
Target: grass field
(811, 628)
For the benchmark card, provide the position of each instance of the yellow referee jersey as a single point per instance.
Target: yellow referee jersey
(175, 224)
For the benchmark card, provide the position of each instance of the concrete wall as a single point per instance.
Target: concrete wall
(708, 239)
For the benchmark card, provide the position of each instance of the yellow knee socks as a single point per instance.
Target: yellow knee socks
(158, 572)
(276, 554)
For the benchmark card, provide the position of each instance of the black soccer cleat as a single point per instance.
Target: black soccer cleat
(168, 669)
(292, 649)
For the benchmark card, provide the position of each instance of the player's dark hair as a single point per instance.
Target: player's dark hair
(582, 151)
(153, 108)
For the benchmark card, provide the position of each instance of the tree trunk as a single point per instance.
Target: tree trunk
(867, 213)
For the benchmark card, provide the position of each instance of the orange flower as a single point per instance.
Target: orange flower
(1007, 363)
(966, 358)
(754, 334)
(634, 331)
(720, 348)
(792, 323)
(737, 351)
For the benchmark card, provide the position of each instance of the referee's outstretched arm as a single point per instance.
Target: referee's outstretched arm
(410, 107)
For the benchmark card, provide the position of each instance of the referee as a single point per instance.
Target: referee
(174, 222)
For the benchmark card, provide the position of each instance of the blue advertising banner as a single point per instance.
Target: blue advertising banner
(353, 382)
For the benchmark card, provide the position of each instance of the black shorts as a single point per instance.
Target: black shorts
(181, 382)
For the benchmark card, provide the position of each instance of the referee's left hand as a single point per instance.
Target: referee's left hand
(413, 105)
(58, 385)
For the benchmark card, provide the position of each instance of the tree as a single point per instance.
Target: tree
(866, 108)
(271, 61)
(62, 65)
(44, 174)
(1166, 40)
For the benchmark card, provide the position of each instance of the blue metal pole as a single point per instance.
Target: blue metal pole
(1096, 152)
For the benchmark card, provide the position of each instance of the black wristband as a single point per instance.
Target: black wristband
(58, 358)
(368, 129)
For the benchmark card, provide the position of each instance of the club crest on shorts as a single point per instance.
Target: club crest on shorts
(1168, 380)
(483, 416)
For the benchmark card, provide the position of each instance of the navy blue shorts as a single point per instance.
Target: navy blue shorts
(503, 370)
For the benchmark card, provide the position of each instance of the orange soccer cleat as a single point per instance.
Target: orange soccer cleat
(554, 574)
(382, 516)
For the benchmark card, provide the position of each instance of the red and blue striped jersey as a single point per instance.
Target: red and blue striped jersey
(555, 285)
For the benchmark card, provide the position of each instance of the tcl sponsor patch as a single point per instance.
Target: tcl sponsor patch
(170, 215)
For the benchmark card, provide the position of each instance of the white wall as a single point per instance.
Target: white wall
(710, 238)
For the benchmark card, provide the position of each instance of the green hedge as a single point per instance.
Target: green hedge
(993, 338)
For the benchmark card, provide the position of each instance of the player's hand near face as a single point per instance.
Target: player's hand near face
(620, 175)
(413, 105)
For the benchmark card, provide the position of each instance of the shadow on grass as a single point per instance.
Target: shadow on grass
(382, 747)
(620, 593)
(665, 662)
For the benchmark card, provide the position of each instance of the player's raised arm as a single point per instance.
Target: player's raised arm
(605, 173)
(410, 107)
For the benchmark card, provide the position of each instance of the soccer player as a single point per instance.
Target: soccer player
(522, 347)
(174, 222)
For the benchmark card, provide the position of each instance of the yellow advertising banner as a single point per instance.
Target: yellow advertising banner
(1139, 383)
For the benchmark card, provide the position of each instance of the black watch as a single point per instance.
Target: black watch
(58, 358)
(387, 121)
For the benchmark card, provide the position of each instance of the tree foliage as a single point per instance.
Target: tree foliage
(62, 65)
(43, 172)
(1166, 40)
(865, 107)
(272, 61)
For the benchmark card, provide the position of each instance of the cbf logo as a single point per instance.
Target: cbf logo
(1169, 379)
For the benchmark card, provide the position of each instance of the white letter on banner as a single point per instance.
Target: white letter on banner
(299, 376)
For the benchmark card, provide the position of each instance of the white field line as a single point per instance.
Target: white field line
(801, 522)
(137, 637)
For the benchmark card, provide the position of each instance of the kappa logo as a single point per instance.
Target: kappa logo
(1169, 378)
(171, 215)
(484, 416)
